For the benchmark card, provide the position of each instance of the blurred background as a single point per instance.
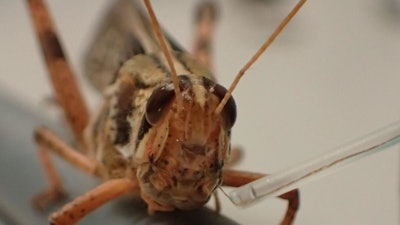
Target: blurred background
(332, 76)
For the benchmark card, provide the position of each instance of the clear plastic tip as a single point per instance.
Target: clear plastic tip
(292, 178)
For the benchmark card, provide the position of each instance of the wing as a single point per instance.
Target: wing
(124, 32)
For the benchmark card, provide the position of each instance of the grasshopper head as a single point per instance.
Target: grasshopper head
(183, 148)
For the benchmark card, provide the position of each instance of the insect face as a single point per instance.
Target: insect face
(183, 151)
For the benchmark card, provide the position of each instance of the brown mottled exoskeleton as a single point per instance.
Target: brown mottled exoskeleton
(163, 129)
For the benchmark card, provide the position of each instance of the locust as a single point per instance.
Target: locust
(163, 128)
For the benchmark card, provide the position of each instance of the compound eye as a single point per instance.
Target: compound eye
(158, 101)
(229, 110)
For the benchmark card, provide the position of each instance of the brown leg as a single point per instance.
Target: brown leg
(48, 141)
(205, 21)
(72, 212)
(62, 77)
(236, 178)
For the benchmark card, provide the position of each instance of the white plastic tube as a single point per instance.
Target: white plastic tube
(292, 178)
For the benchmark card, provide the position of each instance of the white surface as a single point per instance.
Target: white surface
(332, 76)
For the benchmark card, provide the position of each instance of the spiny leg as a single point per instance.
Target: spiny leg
(72, 212)
(61, 75)
(205, 22)
(235, 178)
(47, 142)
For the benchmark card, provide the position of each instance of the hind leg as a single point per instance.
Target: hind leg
(62, 78)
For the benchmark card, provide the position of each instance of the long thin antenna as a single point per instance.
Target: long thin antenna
(166, 52)
(258, 54)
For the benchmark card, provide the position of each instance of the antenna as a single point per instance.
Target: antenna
(258, 54)
(166, 52)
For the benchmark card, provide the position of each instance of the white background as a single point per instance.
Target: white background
(332, 76)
